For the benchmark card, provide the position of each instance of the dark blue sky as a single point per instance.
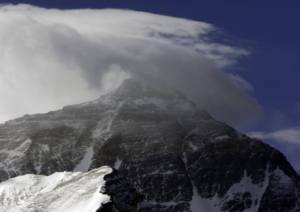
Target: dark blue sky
(270, 29)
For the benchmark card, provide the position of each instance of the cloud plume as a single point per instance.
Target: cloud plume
(290, 135)
(50, 58)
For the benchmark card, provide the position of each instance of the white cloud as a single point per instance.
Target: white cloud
(291, 135)
(50, 58)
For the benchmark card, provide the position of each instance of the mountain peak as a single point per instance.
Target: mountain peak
(174, 155)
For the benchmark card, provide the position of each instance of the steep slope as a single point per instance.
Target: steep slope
(178, 158)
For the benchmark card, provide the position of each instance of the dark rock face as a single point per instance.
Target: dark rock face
(174, 156)
(124, 196)
(227, 162)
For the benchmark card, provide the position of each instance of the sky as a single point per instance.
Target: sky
(268, 30)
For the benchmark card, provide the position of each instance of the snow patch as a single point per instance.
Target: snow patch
(38, 163)
(203, 204)
(118, 163)
(255, 189)
(246, 184)
(86, 161)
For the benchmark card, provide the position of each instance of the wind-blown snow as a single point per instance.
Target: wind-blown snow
(59, 192)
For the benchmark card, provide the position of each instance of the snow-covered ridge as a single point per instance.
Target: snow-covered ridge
(61, 191)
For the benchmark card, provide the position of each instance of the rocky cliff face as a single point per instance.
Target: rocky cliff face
(174, 156)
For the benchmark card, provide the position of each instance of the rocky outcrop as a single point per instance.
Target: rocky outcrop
(123, 196)
(178, 158)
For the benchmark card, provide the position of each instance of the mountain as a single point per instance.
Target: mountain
(170, 155)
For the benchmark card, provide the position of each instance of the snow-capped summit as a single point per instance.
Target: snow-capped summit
(174, 156)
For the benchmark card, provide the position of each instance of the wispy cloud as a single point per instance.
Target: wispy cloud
(50, 58)
(291, 135)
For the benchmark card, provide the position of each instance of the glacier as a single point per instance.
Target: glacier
(60, 192)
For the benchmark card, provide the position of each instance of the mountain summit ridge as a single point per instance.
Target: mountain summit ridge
(177, 157)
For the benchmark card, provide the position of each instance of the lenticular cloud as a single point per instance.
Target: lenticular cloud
(50, 58)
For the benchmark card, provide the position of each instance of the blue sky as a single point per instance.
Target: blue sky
(269, 29)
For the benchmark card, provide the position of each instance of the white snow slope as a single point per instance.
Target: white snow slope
(61, 191)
